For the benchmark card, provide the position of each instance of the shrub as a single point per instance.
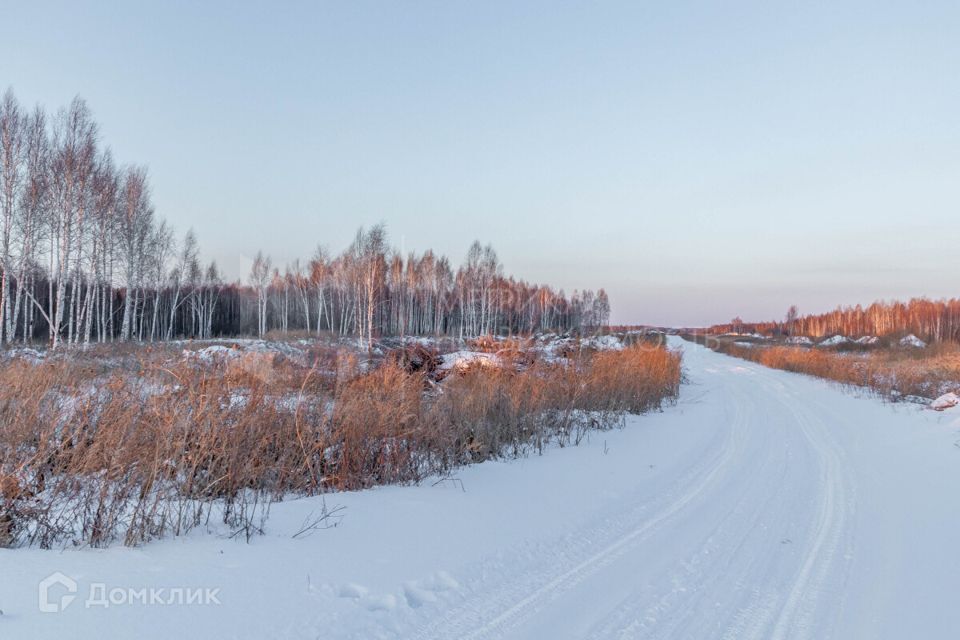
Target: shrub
(149, 447)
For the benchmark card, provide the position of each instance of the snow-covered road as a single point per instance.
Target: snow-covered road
(764, 505)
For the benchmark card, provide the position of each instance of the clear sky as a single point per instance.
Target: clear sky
(699, 160)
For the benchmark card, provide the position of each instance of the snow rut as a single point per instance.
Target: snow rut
(796, 617)
(721, 561)
(740, 561)
(778, 457)
(501, 607)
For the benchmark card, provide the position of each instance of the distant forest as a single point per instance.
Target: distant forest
(931, 320)
(85, 258)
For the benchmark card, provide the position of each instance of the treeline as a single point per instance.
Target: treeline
(370, 289)
(931, 320)
(85, 258)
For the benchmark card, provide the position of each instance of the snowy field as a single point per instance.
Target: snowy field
(764, 505)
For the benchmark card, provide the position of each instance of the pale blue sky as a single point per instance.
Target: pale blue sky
(699, 160)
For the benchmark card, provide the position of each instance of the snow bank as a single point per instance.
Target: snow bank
(222, 350)
(945, 401)
(602, 343)
(460, 360)
(799, 340)
(912, 341)
(868, 340)
(211, 353)
(834, 341)
(553, 348)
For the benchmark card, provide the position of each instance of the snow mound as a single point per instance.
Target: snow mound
(912, 341)
(460, 360)
(945, 401)
(868, 340)
(211, 353)
(224, 350)
(799, 340)
(602, 343)
(555, 349)
(834, 341)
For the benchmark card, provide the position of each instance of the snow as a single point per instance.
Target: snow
(602, 343)
(459, 360)
(552, 348)
(28, 354)
(868, 340)
(946, 401)
(211, 353)
(913, 341)
(803, 340)
(764, 505)
(834, 341)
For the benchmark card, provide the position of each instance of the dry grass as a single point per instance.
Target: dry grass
(92, 454)
(893, 372)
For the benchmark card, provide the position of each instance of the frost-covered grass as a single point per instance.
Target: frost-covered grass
(131, 444)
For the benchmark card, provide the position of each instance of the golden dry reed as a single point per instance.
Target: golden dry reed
(92, 453)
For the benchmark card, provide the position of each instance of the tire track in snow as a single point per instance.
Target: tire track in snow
(791, 614)
(794, 619)
(510, 605)
(678, 612)
(768, 613)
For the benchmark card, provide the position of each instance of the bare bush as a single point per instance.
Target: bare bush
(95, 454)
(414, 358)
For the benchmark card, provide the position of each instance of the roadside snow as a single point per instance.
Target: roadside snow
(945, 401)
